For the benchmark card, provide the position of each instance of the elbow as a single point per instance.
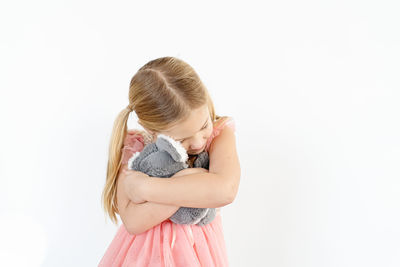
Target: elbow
(131, 230)
(230, 197)
(138, 229)
(134, 230)
(129, 225)
(230, 188)
(232, 191)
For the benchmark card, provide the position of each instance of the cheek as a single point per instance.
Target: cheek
(208, 134)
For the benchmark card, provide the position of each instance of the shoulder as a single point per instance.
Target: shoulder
(224, 137)
(221, 122)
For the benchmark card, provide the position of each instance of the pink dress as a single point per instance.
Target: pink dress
(168, 244)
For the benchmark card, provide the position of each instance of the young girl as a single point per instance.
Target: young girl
(168, 98)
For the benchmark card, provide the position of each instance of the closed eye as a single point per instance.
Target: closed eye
(205, 126)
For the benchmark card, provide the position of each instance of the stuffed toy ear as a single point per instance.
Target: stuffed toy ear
(131, 159)
(172, 147)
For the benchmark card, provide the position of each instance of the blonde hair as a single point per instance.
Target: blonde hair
(162, 93)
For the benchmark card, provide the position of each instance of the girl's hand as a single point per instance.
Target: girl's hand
(133, 183)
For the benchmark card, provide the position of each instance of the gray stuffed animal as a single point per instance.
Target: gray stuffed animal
(163, 159)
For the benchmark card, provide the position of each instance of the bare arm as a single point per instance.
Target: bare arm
(200, 190)
(214, 189)
(139, 218)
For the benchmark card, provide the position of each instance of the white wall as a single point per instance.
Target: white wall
(313, 87)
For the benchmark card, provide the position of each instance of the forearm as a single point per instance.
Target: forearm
(199, 190)
(139, 218)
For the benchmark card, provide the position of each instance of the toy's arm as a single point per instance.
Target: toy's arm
(214, 189)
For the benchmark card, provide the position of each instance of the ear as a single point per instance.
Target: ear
(174, 148)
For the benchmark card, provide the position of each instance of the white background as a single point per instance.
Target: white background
(312, 85)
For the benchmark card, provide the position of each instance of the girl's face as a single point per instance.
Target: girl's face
(194, 132)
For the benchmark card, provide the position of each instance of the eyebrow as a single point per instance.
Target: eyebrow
(199, 130)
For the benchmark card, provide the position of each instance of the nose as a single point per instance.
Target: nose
(198, 144)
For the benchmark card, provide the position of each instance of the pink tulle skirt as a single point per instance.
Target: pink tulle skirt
(169, 245)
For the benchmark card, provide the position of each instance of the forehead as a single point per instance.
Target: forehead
(190, 125)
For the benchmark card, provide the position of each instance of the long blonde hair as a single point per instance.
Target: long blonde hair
(162, 93)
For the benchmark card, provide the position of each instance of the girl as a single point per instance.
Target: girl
(168, 98)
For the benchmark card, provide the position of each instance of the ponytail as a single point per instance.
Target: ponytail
(109, 196)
